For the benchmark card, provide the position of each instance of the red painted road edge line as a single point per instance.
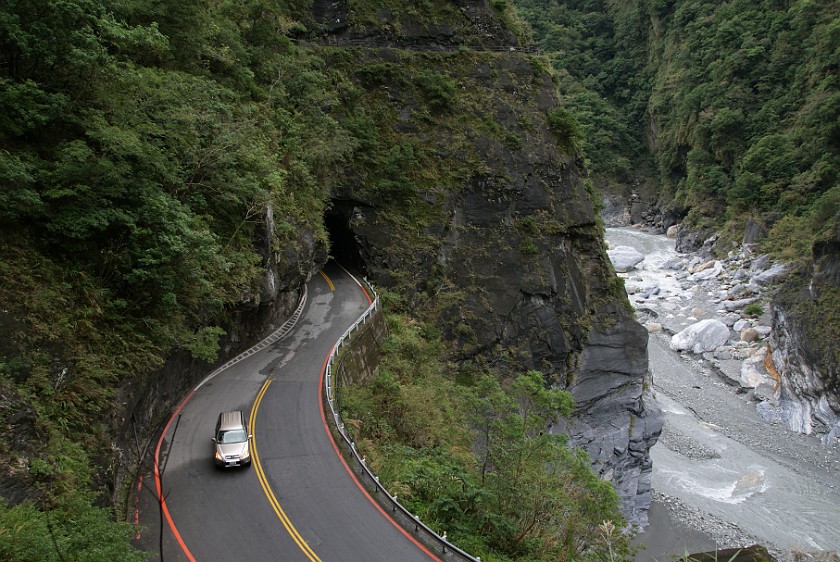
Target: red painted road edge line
(137, 507)
(347, 467)
(158, 484)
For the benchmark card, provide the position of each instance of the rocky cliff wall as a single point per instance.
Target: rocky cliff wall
(357, 364)
(806, 331)
(501, 248)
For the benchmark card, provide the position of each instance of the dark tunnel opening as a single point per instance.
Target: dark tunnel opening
(344, 247)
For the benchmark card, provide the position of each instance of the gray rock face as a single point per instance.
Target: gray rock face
(754, 375)
(805, 402)
(690, 240)
(513, 270)
(773, 275)
(617, 422)
(805, 316)
(753, 232)
(706, 335)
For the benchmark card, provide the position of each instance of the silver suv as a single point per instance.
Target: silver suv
(232, 442)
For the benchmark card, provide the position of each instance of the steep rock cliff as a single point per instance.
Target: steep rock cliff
(468, 201)
(500, 247)
(804, 342)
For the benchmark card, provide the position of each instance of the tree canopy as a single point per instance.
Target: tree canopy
(735, 104)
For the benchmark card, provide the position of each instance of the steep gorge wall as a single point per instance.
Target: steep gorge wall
(502, 250)
(806, 330)
(484, 225)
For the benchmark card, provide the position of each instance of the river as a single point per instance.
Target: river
(722, 477)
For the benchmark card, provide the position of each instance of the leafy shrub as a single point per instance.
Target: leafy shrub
(566, 129)
(73, 530)
(529, 247)
(378, 74)
(67, 526)
(438, 89)
(474, 459)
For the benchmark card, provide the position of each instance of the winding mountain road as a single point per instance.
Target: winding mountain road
(298, 501)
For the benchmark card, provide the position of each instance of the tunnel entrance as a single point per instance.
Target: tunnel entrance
(344, 247)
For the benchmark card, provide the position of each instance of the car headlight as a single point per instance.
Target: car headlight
(219, 456)
(246, 453)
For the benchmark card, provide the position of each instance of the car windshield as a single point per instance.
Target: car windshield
(233, 436)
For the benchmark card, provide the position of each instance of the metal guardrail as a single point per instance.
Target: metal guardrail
(446, 548)
(273, 337)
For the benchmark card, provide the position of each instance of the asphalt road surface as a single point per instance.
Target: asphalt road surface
(297, 502)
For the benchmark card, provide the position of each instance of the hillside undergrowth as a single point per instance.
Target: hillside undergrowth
(472, 458)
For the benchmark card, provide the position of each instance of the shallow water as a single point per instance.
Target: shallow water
(740, 482)
(746, 487)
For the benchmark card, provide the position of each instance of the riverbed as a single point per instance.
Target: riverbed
(722, 477)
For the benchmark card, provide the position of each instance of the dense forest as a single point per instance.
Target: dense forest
(141, 142)
(720, 115)
(729, 110)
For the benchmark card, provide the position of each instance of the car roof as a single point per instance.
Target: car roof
(231, 420)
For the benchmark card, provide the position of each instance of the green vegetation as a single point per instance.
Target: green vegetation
(732, 108)
(566, 128)
(73, 528)
(753, 309)
(473, 458)
(143, 144)
(599, 55)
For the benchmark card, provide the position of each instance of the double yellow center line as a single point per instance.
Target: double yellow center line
(255, 458)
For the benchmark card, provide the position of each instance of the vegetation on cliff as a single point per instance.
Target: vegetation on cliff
(472, 458)
(141, 145)
(732, 109)
(717, 114)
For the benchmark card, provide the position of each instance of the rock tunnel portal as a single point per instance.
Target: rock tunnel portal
(344, 245)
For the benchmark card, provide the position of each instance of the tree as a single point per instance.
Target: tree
(544, 499)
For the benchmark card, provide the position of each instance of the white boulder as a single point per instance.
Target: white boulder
(708, 270)
(625, 258)
(740, 325)
(706, 335)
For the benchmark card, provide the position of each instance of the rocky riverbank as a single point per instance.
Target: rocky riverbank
(723, 476)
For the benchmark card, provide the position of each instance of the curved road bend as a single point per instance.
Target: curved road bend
(318, 512)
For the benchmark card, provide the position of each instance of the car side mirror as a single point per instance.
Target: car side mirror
(250, 437)
(214, 439)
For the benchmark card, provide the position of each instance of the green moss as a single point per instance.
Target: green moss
(529, 247)
(566, 129)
